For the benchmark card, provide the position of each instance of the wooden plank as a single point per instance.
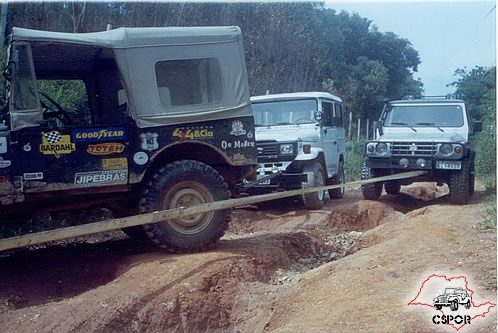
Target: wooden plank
(158, 216)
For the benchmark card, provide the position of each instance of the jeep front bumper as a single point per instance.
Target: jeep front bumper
(413, 163)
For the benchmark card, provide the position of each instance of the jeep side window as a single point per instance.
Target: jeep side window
(72, 97)
(24, 89)
(328, 113)
(337, 120)
(188, 82)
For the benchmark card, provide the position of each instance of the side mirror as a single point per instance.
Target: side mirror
(477, 126)
(318, 115)
(377, 128)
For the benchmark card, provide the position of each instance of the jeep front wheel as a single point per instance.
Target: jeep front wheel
(184, 184)
(370, 191)
(316, 178)
(454, 305)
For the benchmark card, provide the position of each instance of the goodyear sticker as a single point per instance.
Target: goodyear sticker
(99, 134)
(54, 143)
(101, 178)
(105, 148)
(192, 133)
(115, 163)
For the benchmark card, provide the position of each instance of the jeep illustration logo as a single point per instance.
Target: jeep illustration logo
(455, 307)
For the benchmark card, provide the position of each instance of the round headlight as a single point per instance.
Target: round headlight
(381, 148)
(446, 149)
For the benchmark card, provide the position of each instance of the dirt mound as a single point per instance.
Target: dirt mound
(348, 267)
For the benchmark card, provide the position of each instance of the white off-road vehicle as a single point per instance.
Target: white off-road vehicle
(301, 142)
(452, 297)
(428, 133)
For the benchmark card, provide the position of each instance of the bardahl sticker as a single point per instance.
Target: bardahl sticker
(54, 143)
(114, 163)
(100, 178)
(105, 148)
(99, 134)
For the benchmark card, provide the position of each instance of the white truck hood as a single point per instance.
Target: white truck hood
(422, 134)
(304, 132)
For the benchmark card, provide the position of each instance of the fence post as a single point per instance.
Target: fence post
(368, 129)
(359, 128)
(349, 127)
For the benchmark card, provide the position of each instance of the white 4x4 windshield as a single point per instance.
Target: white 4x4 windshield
(285, 112)
(424, 115)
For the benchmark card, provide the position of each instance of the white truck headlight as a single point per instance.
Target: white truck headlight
(446, 149)
(381, 148)
(286, 149)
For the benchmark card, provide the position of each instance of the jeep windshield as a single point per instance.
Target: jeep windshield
(424, 116)
(449, 291)
(285, 112)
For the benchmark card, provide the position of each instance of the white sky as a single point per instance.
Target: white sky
(447, 34)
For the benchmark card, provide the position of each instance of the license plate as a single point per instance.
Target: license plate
(451, 165)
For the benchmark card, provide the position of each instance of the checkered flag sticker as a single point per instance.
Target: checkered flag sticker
(53, 137)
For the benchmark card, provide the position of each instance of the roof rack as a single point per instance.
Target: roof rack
(447, 96)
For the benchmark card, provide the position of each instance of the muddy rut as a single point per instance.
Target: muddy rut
(269, 273)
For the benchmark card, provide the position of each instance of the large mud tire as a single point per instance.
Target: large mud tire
(370, 191)
(184, 184)
(340, 179)
(316, 178)
(459, 185)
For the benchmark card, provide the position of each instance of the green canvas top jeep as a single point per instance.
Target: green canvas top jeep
(132, 119)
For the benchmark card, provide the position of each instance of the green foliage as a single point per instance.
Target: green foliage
(478, 88)
(354, 160)
(289, 46)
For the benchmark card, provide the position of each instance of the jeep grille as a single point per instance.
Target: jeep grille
(267, 149)
(414, 149)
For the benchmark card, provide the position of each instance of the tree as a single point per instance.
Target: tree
(478, 88)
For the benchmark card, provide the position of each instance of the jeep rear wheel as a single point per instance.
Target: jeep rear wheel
(338, 193)
(184, 184)
(459, 185)
(316, 178)
(370, 191)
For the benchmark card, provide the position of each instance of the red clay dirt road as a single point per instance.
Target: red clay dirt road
(352, 267)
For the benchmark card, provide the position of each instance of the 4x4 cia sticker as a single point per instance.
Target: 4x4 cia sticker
(54, 143)
(452, 301)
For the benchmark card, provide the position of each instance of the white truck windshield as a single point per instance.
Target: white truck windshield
(425, 115)
(285, 112)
